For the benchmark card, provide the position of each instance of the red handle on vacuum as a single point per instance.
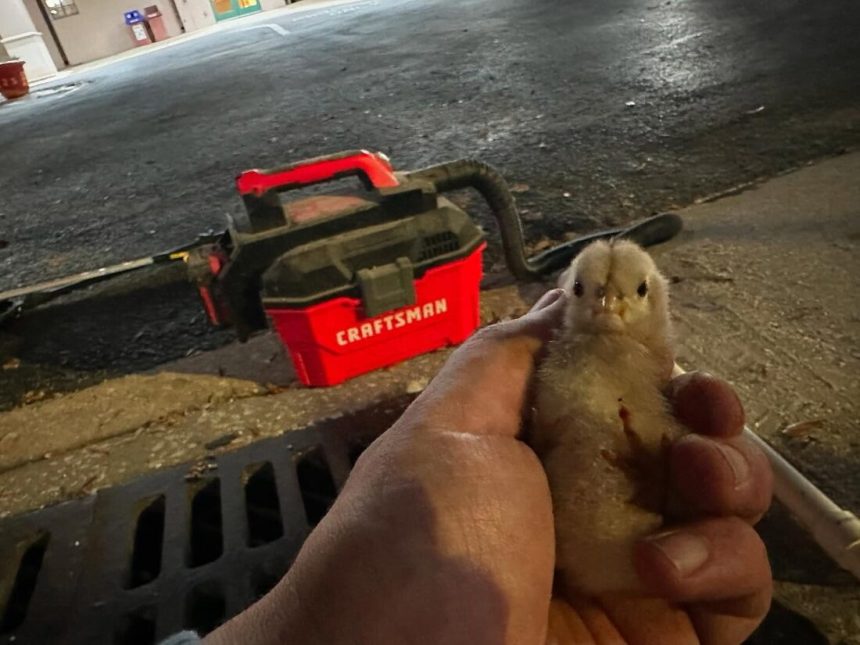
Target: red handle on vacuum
(375, 168)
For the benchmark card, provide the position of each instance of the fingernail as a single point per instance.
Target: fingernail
(677, 384)
(686, 551)
(547, 299)
(686, 379)
(737, 462)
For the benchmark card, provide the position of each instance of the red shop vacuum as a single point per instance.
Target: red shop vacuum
(351, 279)
(356, 280)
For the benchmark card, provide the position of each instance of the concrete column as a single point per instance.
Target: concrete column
(18, 36)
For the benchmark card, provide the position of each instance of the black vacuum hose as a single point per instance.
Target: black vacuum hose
(469, 173)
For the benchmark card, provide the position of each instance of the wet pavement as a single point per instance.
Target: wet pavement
(627, 107)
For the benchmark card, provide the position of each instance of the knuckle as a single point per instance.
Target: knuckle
(492, 333)
(493, 337)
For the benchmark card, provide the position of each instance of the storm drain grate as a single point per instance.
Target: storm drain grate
(172, 551)
(262, 505)
(24, 584)
(147, 547)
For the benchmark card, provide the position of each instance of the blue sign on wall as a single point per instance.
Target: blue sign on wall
(133, 17)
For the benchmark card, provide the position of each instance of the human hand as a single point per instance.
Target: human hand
(444, 534)
(708, 570)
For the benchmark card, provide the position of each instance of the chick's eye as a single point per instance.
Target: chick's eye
(578, 289)
(642, 290)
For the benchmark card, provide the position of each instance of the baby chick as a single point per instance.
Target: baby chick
(601, 424)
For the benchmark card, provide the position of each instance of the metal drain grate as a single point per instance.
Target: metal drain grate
(135, 563)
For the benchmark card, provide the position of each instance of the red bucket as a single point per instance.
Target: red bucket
(13, 80)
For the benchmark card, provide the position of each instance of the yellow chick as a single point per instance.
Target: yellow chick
(601, 424)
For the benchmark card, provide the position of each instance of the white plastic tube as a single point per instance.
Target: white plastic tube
(836, 530)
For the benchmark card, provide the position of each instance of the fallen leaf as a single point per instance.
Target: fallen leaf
(542, 244)
(12, 364)
(222, 441)
(414, 387)
(33, 395)
(802, 428)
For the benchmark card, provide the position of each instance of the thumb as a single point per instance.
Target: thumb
(482, 387)
(543, 318)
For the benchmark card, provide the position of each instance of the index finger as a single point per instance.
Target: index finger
(481, 389)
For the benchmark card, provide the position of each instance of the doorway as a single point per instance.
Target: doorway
(55, 47)
(225, 9)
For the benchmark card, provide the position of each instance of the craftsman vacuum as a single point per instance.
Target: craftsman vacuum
(355, 280)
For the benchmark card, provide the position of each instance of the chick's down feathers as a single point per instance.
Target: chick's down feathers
(601, 424)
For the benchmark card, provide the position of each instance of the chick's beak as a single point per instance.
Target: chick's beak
(610, 303)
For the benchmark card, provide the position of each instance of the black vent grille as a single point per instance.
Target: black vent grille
(438, 244)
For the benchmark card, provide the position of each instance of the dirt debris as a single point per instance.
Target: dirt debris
(110, 409)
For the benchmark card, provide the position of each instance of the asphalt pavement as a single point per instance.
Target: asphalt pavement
(606, 110)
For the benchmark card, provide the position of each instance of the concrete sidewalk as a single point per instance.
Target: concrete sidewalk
(766, 294)
(765, 288)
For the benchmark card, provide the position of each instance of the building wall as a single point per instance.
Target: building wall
(99, 31)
